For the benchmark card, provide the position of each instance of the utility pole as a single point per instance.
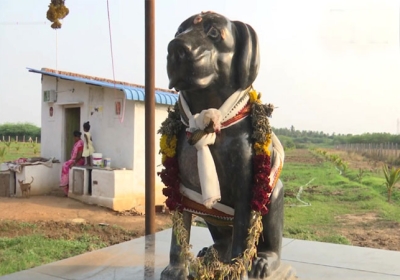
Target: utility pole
(150, 172)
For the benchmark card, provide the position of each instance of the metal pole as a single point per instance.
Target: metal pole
(149, 116)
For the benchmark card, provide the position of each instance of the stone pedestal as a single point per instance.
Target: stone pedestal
(284, 272)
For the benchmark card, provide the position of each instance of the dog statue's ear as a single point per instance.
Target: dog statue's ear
(247, 55)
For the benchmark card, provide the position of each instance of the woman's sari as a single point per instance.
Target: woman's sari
(78, 147)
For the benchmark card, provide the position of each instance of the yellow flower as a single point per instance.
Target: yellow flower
(168, 146)
(253, 95)
(262, 148)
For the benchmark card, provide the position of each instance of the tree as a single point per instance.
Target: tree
(20, 130)
(392, 176)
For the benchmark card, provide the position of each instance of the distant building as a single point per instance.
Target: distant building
(116, 115)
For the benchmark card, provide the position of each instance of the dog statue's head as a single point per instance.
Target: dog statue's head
(211, 52)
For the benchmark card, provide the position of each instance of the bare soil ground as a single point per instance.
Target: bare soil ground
(56, 216)
(368, 230)
(302, 156)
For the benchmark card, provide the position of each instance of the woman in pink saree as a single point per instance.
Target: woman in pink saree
(75, 160)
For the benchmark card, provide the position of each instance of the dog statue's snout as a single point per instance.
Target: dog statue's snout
(179, 49)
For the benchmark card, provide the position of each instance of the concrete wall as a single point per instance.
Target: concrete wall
(110, 188)
(112, 135)
(45, 178)
(113, 189)
(139, 151)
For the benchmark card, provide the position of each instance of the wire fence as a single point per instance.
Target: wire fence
(23, 139)
(388, 152)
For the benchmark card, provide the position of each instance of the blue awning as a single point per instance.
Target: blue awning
(131, 92)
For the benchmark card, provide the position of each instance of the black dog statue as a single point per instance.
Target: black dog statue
(210, 60)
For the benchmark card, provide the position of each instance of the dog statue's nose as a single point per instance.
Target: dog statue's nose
(178, 49)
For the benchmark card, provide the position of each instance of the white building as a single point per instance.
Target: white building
(116, 115)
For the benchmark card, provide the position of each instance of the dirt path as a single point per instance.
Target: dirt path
(62, 209)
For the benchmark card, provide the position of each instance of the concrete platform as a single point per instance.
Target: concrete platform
(146, 257)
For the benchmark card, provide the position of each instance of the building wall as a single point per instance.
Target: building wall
(139, 152)
(111, 136)
(121, 140)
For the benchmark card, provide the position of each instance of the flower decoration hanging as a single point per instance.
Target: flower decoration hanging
(170, 174)
(57, 11)
(211, 267)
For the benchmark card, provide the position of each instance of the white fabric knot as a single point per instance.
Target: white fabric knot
(209, 182)
(202, 120)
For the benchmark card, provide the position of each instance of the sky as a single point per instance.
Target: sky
(328, 65)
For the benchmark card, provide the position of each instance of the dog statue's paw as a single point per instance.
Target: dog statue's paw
(263, 265)
(174, 273)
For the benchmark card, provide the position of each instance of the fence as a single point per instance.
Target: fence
(378, 151)
(20, 139)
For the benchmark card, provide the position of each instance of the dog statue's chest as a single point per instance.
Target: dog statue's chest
(232, 155)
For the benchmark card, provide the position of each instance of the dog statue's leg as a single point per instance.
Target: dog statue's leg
(176, 269)
(242, 219)
(222, 237)
(270, 244)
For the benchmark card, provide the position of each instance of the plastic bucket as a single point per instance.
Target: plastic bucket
(107, 162)
(97, 158)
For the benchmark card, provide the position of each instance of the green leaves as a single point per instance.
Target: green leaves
(392, 176)
(340, 164)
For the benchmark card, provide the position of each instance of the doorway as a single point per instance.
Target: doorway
(72, 122)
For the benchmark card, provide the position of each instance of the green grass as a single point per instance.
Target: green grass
(24, 252)
(16, 150)
(26, 245)
(330, 195)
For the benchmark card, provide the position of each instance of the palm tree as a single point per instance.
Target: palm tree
(392, 176)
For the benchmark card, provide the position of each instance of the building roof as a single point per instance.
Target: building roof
(132, 91)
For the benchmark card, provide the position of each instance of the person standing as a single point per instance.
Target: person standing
(88, 148)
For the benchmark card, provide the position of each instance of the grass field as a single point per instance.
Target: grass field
(327, 196)
(13, 150)
(26, 245)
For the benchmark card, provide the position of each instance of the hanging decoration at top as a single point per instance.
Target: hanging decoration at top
(57, 10)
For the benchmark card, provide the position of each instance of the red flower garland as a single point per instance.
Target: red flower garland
(170, 177)
(261, 187)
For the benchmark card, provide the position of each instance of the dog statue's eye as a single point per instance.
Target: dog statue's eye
(213, 32)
